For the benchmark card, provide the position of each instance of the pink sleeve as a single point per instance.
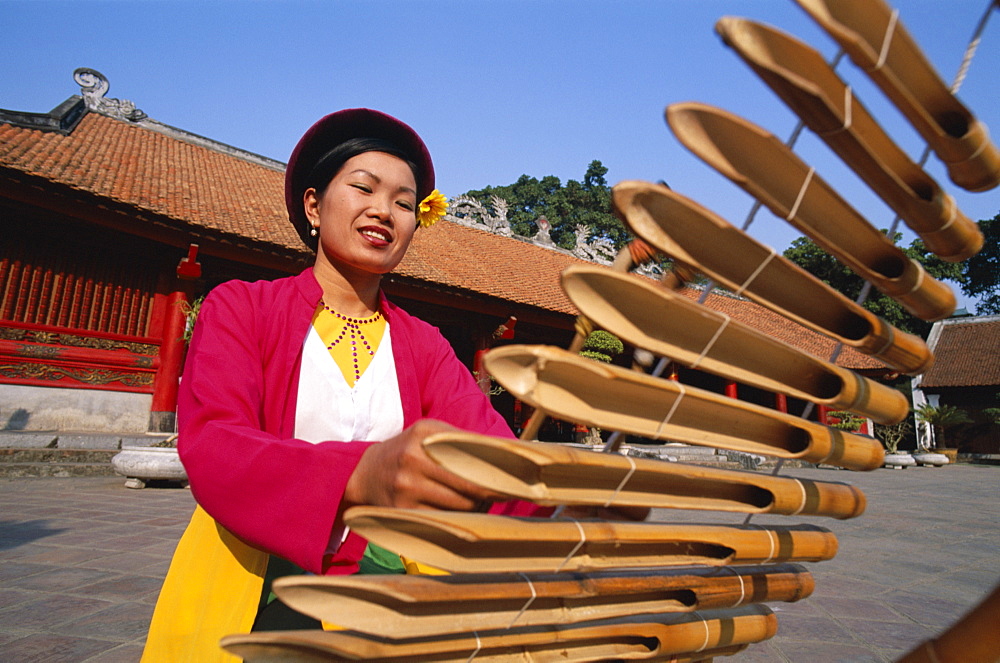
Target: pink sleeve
(260, 485)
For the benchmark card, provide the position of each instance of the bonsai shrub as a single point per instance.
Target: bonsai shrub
(602, 346)
(893, 434)
(846, 420)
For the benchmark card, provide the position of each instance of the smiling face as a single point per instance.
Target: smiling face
(366, 216)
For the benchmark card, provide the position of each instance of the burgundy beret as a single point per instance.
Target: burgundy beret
(341, 126)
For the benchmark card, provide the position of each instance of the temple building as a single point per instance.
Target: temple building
(114, 224)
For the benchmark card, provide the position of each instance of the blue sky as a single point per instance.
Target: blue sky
(497, 89)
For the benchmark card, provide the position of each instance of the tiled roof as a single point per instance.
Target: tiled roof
(462, 257)
(967, 353)
(193, 184)
(156, 173)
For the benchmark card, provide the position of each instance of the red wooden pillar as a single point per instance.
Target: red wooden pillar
(179, 288)
(821, 412)
(731, 390)
(781, 403)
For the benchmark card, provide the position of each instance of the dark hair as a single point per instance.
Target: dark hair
(330, 163)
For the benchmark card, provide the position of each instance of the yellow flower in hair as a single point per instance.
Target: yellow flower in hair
(431, 209)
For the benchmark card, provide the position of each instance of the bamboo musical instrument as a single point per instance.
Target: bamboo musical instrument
(416, 605)
(800, 76)
(582, 390)
(974, 638)
(683, 229)
(460, 542)
(763, 166)
(640, 637)
(669, 324)
(552, 474)
(301, 647)
(878, 43)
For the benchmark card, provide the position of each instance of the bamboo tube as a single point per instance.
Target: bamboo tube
(460, 542)
(553, 474)
(642, 637)
(763, 166)
(417, 605)
(304, 647)
(876, 40)
(683, 229)
(972, 639)
(584, 391)
(812, 89)
(671, 325)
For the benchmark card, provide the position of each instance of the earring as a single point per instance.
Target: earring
(313, 232)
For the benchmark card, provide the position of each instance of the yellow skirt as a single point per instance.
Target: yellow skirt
(212, 589)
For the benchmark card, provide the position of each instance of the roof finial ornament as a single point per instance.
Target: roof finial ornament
(93, 86)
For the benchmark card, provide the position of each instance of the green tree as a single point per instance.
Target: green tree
(806, 254)
(981, 278)
(587, 203)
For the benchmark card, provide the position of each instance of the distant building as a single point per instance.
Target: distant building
(966, 374)
(113, 222)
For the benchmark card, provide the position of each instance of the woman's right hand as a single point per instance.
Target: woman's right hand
(399, 473)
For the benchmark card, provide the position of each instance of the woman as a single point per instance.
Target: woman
(304, 396)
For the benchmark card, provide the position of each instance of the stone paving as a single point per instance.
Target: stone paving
(81, 561)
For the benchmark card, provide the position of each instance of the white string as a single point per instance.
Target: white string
(718, 332)
(848, 111)
(931, 652)
(802, 194)
(624, 481)
(920, 279)
(886, 41)
(803, 504)
(756, 272)
(707, 632)
(888, 342)
(770, 537)
(982, 145)
(951, 219)
(583, 539)
(743, 588)
(479, 645)
(534, 595)
(680, 397)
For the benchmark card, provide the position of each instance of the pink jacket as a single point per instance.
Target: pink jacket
(236, 414)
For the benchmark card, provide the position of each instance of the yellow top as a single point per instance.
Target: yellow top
(352, 342)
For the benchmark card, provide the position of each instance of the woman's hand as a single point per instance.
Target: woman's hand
(398, 473)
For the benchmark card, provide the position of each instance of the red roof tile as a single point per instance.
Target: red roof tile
(156, 173)
(194, 184)
(967, 353)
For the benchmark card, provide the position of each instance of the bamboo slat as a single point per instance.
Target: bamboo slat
(974, 638)
(417, 605)
(553, 474)
(687, 231)
(878, 43)
(641, 637)
(763, 166)
(671, 325)
(581, 390)
(460, 542)
(800, 76)
(291, 647)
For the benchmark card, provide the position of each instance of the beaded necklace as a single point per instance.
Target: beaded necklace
(352, 342)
